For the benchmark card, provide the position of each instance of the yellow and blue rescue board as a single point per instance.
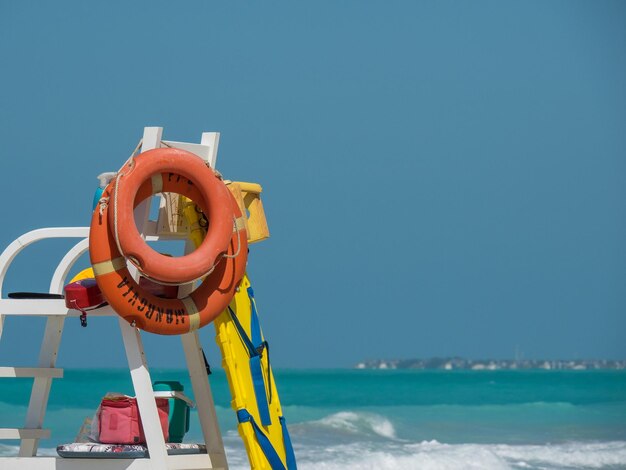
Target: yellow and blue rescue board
(245, 358)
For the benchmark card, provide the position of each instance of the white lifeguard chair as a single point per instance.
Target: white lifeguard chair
(56, 312)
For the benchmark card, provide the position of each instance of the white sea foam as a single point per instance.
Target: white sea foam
(432, 455)
(361, 458)
(574, 454)
(11, 451)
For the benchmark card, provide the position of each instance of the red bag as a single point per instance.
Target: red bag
(119, 420)
(83, 294)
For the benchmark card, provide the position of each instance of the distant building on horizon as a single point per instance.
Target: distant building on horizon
(457, 363)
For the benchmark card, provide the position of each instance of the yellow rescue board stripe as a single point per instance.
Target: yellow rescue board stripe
(109, 266)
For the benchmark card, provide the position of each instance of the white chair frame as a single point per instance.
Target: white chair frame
(55, 311)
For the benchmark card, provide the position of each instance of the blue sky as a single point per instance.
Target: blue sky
(440, 178)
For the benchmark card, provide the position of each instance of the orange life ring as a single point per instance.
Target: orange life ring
(176, 164)
(144, 310)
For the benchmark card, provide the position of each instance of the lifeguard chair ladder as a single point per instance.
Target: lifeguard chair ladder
(56, 312)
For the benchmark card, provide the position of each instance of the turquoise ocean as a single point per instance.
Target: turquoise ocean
(392, 419)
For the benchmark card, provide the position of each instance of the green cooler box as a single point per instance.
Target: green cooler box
(179, 407)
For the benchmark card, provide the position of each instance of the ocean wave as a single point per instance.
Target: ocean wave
(357, 423)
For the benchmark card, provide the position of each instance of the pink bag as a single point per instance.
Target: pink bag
(119, 420)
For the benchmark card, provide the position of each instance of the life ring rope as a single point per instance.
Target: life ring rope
(168, 170)
(157, 185)
(131, 164)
